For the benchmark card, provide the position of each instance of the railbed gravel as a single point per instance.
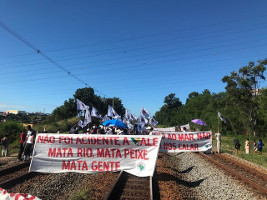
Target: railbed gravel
(179, 176)
(67, 185)
(9, 161)
(195, 178)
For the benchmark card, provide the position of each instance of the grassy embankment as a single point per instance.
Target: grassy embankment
(227, 146)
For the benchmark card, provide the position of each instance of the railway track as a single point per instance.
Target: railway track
(11, 176)
(248, 175)
(14, 168)
(11, 172)
(130, 187)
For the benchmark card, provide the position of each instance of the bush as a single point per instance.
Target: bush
(63, 126)
(11, 129)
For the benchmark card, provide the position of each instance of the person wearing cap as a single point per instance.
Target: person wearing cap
(94, 130)
(102, 130)
(149, 130)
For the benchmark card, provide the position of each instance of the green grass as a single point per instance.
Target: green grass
(227, 146)
(83, 194)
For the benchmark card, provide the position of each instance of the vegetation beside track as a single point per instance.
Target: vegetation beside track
(227, 146)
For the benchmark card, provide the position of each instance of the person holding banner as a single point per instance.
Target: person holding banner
(184, 129)
(177, 128)
(149, 130)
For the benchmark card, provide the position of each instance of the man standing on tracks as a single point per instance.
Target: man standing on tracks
(218, 138)
(22, 139)
(4, 144)
(32, 134)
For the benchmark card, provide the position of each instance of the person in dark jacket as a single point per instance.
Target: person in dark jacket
(237, 145)
(260, 144)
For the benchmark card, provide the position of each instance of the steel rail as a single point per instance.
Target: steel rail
(12, 169)
(128, 187)
(244, 179)
(18, 180)
(112, 188)
(257, 173)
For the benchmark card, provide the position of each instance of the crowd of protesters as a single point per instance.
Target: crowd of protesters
(111, 130)
(27, 138)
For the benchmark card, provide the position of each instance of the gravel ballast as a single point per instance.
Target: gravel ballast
(207, 181)
(179, 176)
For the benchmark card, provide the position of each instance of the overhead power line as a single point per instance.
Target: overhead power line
(15, 34)
(157, 34)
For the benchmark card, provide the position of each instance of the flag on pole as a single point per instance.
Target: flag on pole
(130, 126)
(117, 118)
(115, 114)
(221, 117)
(112, 113)
(144, 112)
(127, 115)
(105, 118)
(140, 127)
(81, 105)
(95, 113)
(153, 122)
(80, 124)
(87, 118)
(132, 117)
(142, 120)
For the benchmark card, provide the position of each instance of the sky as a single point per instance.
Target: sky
(139, 51)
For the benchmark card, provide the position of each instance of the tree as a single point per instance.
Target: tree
(172, 102)
(192, 95)
(10, 128)
(196, 107)
(168, 114)
(262, 114)
(116, 103)
(87, 96)
(242, 88)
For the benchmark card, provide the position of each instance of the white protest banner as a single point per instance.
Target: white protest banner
(56, 153)
(4, 195)
(169, 129)
(173, 142)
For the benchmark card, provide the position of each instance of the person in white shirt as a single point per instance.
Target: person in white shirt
(218, 138)
(28, 146)
(149, 130)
